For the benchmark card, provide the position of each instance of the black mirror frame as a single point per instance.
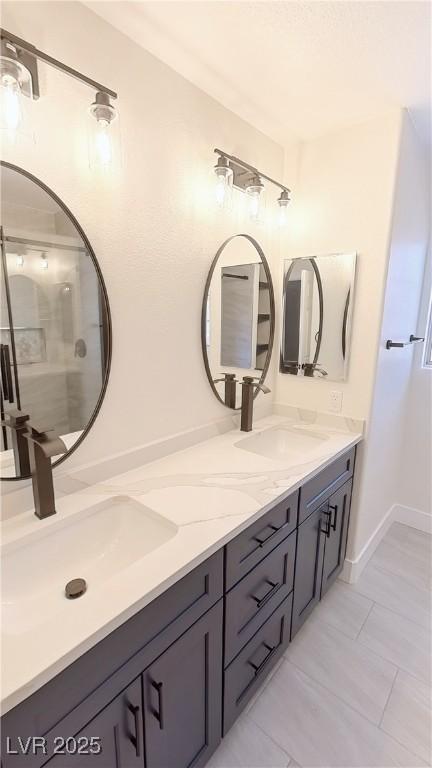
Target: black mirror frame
(283, 367)
(106, 310)
(204, 312)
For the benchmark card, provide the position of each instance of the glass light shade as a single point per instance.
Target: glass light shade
(101, 133)
(283, 202)
(255, 196)
(15, 88)
(224, 182)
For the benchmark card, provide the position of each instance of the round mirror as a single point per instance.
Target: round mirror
(303, 313)
(237, 322)
(55, 331)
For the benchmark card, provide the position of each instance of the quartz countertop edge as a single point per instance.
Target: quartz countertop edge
(242, 485)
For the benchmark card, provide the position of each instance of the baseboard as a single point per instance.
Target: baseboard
(415, 518)
(398, 513)
(353, 568)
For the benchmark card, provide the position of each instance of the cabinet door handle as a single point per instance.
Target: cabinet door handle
(159, 712)
(136, 738)
(259, 667)
(335, 510)
(275, 530)
(260, 601)
(327, 522)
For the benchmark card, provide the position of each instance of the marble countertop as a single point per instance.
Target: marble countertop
(210, 491)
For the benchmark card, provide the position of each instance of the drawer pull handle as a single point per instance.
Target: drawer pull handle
(259, 667)
(260, 601)
(335, 510)
(327, 522)
(275, 529)
(135, 739)
(159, 712)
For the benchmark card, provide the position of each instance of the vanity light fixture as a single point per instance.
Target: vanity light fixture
(19, 77)
(249, 180)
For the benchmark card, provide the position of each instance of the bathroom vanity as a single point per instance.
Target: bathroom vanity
(163, 687)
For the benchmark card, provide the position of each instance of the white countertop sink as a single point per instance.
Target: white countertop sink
(289, 444)
(94, 544)
(135, 534)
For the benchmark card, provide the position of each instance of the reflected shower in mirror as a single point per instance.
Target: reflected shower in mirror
(316, 319)
(55, 328)
(237, 318)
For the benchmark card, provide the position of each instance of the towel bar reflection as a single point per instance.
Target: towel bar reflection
(412, 340)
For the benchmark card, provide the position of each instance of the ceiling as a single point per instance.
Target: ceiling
(294, 69)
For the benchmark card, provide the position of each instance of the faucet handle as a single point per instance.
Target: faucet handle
(225, 377)
(15, 419)
(249, 381)
(47, 439)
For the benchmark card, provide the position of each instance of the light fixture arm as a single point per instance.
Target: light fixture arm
(237, 164)
(31, 51)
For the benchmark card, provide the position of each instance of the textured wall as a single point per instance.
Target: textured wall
(153, 223)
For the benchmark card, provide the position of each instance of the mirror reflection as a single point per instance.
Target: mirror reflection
(54, 329)
(238, 318)
(317, 310)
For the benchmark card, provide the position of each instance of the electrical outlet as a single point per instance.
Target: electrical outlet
(336, 397)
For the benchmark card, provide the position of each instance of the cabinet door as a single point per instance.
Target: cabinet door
(113, 739)
(337, 533)
(182, 697)
(308, 567)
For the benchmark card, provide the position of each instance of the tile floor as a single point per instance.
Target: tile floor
(353, 689)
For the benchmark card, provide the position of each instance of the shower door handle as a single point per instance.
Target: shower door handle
(6, 375)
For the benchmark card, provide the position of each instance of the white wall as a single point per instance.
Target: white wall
(343, 204)
(379, 487)
(415, 475)
(152, 223)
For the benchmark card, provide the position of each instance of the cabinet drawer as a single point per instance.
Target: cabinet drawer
(246, 673)
(249, 604)
(253, 544)
(317, 490)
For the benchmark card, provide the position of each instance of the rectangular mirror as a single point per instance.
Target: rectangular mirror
(318, 297)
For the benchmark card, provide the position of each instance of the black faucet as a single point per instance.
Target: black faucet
(16, 421)
(230, 388)
(42, 445)
(249, 384)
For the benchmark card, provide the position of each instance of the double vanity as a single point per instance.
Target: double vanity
(199, 569)
(141, 613)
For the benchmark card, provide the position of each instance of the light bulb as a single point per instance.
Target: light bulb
(11, 103)
(254, 193)
(224, 182)
(103, 143)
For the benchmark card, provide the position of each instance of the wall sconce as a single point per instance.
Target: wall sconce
(19, 77)
(249, 180)
(19, 261)
(44, 261)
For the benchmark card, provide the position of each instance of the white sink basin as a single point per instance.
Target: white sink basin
(94, 544)
(290, 444)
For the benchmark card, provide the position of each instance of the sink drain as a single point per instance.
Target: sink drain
(75, 588)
